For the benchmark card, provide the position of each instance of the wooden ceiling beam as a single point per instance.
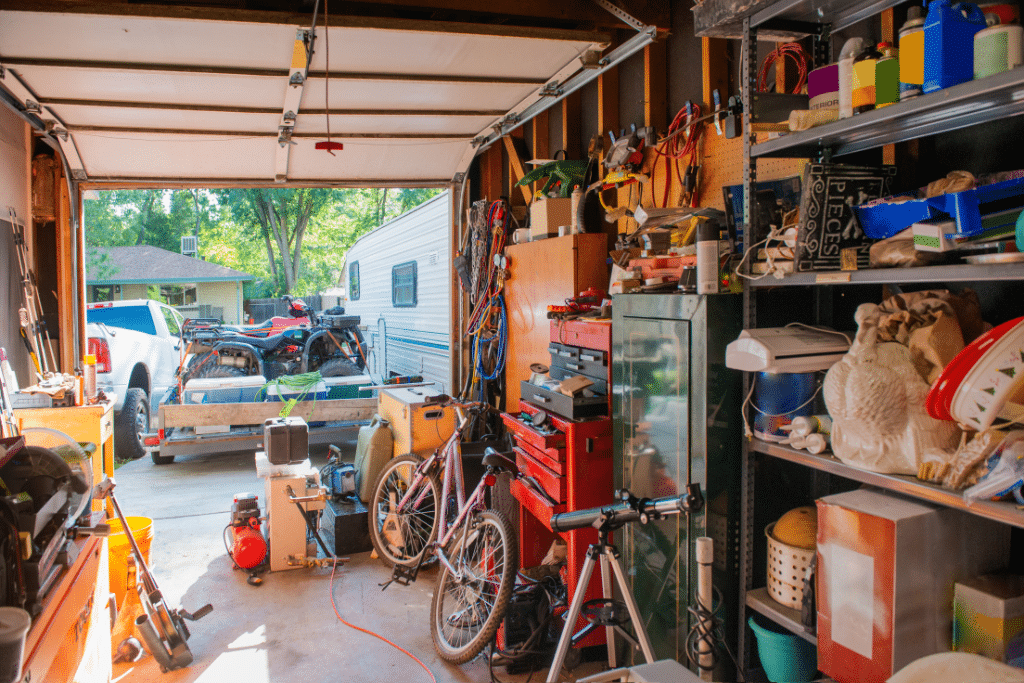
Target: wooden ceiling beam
(234, 14)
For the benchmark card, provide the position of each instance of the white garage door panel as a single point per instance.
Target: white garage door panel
(165, 119)
(250, 91)
(377, 159)
(467, 126)
(121, 155)
(139, 86)
(250, 45)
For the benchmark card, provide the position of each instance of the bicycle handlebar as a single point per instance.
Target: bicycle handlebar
(630, 509)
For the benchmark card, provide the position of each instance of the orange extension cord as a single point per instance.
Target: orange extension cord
(375, 635)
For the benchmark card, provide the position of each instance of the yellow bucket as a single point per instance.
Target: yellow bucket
(119, 550)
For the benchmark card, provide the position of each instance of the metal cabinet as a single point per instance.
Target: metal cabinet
(676, 411)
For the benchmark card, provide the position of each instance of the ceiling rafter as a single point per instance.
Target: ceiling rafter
(206, 13)
(192, 132)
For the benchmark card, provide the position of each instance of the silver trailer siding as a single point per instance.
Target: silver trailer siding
(406, 339)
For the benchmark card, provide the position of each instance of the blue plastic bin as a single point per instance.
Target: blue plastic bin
(785, 657)
(967, 207)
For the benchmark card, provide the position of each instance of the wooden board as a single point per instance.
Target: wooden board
(544, 273)
(214, 414)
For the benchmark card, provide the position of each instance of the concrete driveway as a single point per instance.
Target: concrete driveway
(285, 629)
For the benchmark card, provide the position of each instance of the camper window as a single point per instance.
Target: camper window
(403, 284)
(353, 281)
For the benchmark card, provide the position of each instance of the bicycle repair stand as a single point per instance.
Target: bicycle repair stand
(607, 611)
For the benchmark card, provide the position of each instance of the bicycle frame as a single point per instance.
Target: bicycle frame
(449, 456)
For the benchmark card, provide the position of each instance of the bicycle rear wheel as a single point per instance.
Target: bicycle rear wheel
(401, 535)
(465, 612)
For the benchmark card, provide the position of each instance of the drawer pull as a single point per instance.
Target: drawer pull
(542, 399)
(574, 366)
(589, 445)
(590, 357)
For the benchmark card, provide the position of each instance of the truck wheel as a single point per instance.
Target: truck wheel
(161, 459)
(339, 367)
(131, 425)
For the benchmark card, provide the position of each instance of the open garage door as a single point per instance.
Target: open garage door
(240, 97)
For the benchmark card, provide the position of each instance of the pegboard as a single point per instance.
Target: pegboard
(722, 165)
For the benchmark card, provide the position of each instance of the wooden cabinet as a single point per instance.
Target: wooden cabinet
(544, 273)
(70, 639)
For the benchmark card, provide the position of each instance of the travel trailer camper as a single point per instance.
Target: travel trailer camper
(398, 280)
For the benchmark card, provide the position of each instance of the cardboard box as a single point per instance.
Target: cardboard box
(547, 215)
(886, 570)
(988, 617)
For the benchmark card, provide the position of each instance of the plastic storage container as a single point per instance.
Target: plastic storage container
(787, 568)
(785, 656)
(223, 389)
(949, 32)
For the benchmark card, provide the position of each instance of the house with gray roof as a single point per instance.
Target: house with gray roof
(194, 286)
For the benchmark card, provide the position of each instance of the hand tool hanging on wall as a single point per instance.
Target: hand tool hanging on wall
(30, 314)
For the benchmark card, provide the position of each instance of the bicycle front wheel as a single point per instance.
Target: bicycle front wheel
(466, 611)
(400, 534)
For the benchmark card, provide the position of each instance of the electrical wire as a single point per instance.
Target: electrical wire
(401, 649)
(821, 329)
(707, 632)
(795, 52)
(683, 141)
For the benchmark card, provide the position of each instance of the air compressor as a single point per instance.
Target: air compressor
(246, 546)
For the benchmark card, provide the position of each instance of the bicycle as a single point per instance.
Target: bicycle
(476, 548)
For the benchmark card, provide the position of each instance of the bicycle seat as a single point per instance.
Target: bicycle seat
(493, 458)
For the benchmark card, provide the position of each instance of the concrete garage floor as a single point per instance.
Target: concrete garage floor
(285, 629)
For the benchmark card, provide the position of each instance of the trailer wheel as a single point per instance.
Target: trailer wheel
(161, 459)
(339, 367)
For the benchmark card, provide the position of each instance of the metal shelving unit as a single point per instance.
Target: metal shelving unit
(967, 104)
(761, 602)
(1004, 512)
(951, 109)
(877, 276)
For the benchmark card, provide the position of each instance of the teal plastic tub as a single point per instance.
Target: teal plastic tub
(785, 657)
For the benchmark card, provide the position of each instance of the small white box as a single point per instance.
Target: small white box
(930, 235)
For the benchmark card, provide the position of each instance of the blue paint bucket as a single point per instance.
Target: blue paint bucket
(778, 398)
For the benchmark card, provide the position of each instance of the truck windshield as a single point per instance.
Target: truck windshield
(136, 318)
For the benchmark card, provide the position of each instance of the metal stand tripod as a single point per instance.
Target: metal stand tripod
(606, 611)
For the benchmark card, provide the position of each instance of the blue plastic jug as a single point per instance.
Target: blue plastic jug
(949, 32)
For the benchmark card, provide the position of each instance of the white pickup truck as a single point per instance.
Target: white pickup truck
(137, 346)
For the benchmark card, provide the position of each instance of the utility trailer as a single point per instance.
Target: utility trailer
(187, 429)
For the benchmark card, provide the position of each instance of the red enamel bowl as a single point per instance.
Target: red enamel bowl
(940, 396)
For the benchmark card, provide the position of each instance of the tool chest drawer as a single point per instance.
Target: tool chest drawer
(566, 406)
(554, 459)
(533, 502)
(590, 334)
(600, 383)
(563, 351)
(590, 368)
(538, 439)
(552, 483)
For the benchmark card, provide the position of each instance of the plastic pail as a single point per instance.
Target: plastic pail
(784, 656)
(119, 549)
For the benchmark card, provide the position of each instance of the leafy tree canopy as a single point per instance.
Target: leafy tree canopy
(293, 240)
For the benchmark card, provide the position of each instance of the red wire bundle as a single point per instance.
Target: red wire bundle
(499, 218)
(792, 50)
(679, 144)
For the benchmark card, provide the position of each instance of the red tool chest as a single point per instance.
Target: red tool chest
(577, 475)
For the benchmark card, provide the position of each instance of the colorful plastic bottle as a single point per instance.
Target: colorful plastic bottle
(912, 55)
(851, 48)
(863, 98)
(887, 76)
(949, 32)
